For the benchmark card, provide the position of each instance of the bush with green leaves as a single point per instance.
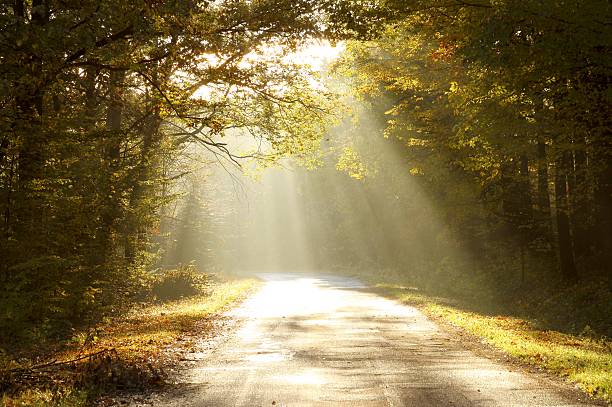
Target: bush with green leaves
(184, 281)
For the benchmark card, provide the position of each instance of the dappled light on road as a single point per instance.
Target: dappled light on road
(311, 340)
(308, 377)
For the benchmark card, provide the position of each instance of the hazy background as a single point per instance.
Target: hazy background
(361, 208)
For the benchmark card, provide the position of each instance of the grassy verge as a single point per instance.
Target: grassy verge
(127, 352)
(582, 360)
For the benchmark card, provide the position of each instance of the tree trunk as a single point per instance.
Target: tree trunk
(28, 127)
(603, 201)
(581, 211)
(19, 8)
(543, 193)
(151, 139)
(142, 171)
(524, 191)
(91, 75)
(112, 148)
(564, 238)
(508, 174)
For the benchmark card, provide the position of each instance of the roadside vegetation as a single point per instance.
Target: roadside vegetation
(131, 352)
(584, 358)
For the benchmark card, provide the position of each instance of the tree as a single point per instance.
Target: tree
(98, 99)
(484, 89)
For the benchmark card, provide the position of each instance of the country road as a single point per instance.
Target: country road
(324, 341)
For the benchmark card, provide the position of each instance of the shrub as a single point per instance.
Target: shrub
(185, 281)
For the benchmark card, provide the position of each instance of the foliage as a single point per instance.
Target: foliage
(184, 281)
(105, 106)
(349, 162)
(128, 352)
(500, 110)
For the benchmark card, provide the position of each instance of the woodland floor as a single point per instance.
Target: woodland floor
(126, 356)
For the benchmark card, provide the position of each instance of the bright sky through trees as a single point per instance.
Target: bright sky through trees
(313, 56)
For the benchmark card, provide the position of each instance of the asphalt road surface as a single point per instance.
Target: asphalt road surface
(321, 341)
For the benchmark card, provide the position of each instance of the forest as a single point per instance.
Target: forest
(463, 147)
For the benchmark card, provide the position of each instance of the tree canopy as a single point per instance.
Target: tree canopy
(497, 109)
(100, 104)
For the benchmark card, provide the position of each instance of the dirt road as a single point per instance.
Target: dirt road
(322, 341)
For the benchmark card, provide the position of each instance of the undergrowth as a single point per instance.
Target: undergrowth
(124, 353)
(584, 359)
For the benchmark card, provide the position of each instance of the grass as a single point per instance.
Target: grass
(151, 328)
(582, 360)
(142, 343)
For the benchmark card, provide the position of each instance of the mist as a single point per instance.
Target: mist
(360, 212)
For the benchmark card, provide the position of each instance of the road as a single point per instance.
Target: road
(322, 341)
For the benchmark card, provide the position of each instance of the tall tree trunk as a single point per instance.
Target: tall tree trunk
(28, 126)
(91, 75)
(112, 150)
(8, 200)
(40, 17)
(543, 193)
(524, 191)
(19, 8)
(603, 202)
(29, 103)
(517, 200)
(151, 139)
(508, 174)
(564, 238)
(150, 142)
(4, 146)
(581, 211)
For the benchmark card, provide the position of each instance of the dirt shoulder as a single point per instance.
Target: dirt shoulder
(578, 366)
